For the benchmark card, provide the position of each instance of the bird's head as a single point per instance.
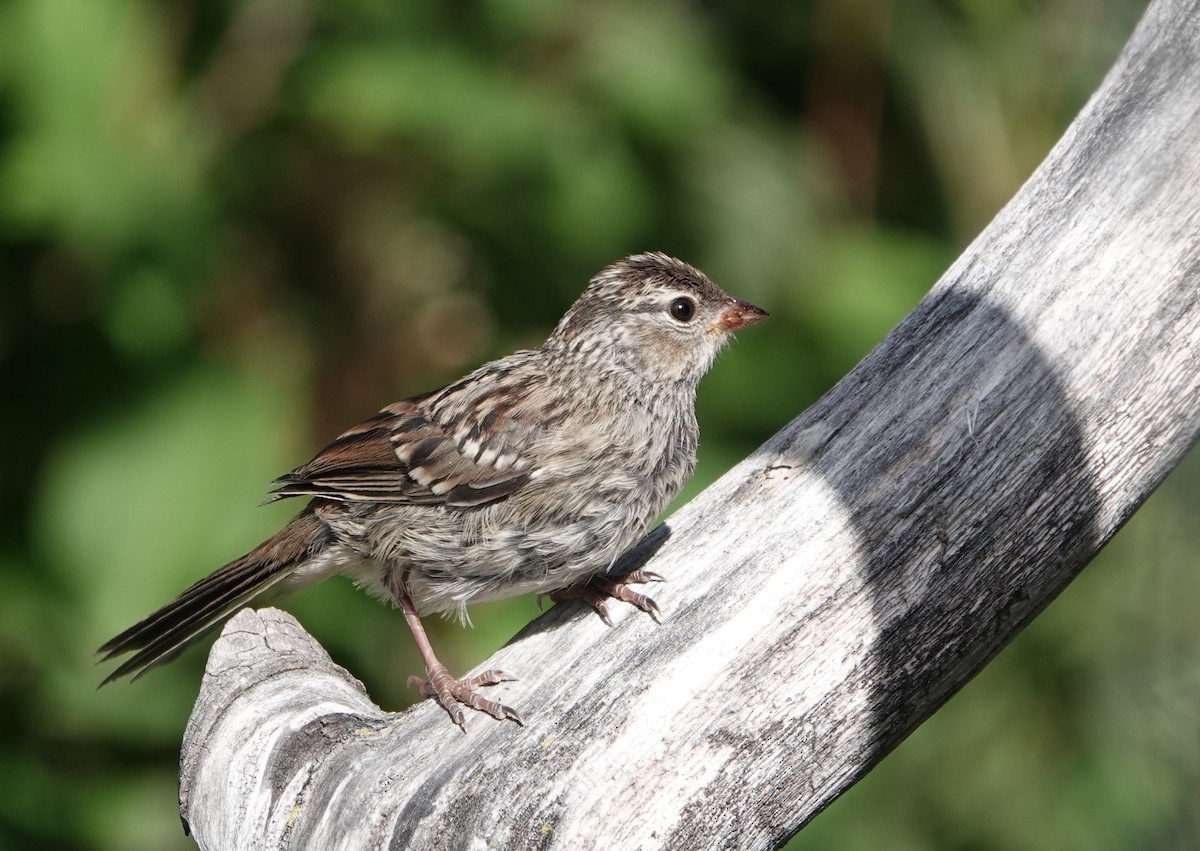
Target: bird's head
(652, 315)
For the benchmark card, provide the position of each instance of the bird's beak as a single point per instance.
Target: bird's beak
(737, 314)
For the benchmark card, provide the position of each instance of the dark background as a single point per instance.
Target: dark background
(228, 230)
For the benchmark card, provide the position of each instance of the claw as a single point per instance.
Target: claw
(647, 605)
(641, 575)
(597, 603)
(452, 694)
(599, 589)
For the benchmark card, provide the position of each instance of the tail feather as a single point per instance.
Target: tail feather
(206, 605)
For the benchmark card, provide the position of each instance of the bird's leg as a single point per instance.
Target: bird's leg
(598, 590)
(449, 692)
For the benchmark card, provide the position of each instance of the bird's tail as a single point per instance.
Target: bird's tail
(206, 605)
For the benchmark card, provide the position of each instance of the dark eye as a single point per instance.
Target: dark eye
(682, 309)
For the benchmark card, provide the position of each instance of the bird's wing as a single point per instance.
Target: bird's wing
(404, 454)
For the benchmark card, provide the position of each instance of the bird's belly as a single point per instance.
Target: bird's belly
(447, 560)
(506, 562)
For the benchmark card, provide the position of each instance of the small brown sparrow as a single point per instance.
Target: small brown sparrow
(533, 473)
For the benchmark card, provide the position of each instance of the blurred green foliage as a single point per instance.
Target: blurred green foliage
(230, 229)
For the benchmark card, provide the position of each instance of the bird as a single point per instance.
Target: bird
(533, 473)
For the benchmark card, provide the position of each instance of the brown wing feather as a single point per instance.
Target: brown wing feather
(401, 455)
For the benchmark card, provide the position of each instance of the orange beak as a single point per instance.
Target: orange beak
(738, 314)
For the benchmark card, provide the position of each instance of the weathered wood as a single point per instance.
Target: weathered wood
(831, 591)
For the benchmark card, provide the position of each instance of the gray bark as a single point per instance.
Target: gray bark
(831, 591)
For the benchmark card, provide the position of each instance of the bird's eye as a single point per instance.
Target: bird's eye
(682, 309)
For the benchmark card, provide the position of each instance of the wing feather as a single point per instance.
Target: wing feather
(403, 455)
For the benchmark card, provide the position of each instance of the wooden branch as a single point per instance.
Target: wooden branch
(831, 591)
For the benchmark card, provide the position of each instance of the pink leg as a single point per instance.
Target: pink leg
(451, 693)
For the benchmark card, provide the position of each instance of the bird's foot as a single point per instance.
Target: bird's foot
(453, 694)
(598, 590)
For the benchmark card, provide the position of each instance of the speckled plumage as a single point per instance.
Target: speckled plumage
(532, 473)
